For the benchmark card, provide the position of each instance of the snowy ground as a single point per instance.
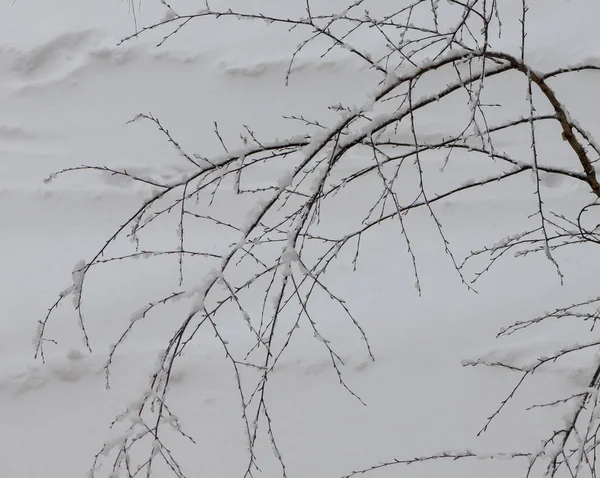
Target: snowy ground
(66, 93)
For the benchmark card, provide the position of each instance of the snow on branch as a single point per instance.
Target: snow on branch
(275, 266)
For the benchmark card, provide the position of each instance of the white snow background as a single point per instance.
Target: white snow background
(66, 93)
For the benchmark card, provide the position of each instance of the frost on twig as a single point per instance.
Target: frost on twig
(281, 253)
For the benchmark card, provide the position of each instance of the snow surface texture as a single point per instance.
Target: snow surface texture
(67, 92)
